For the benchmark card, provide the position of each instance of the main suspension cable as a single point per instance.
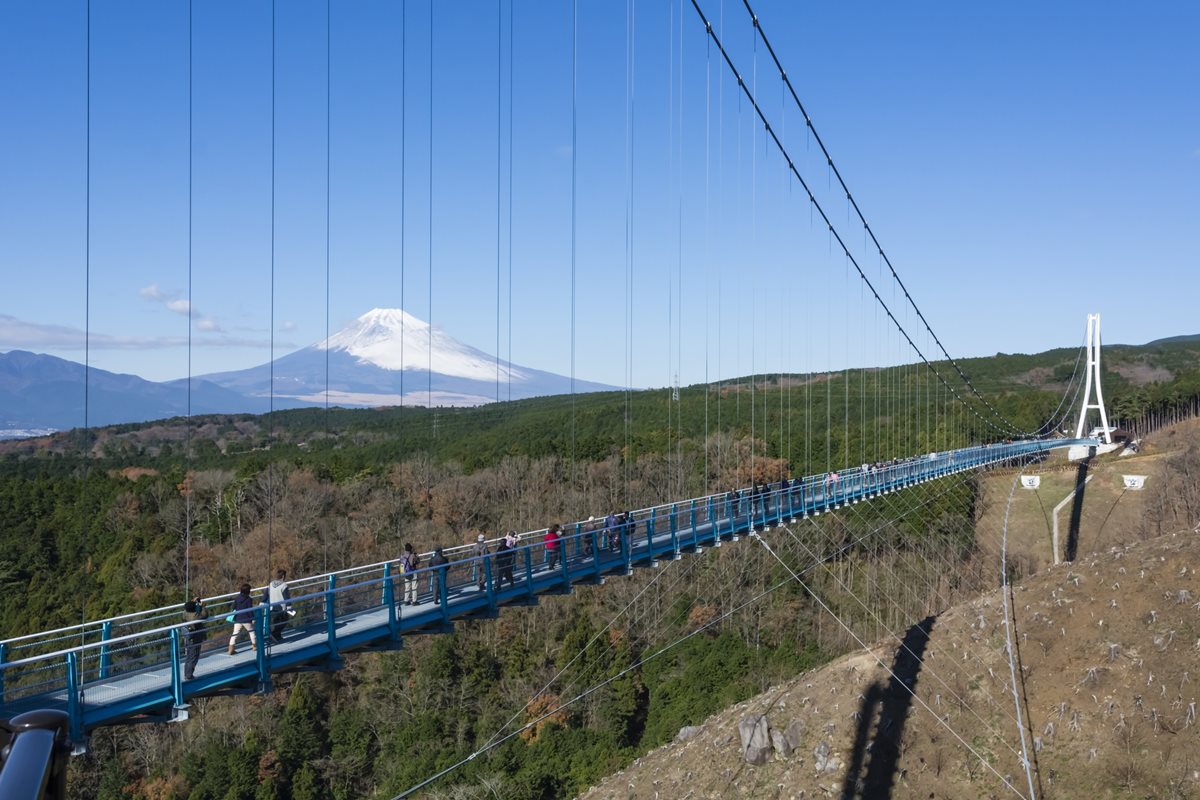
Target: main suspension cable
(866, 227)
(834, 234)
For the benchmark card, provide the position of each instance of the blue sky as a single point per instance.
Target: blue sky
(1022, 164)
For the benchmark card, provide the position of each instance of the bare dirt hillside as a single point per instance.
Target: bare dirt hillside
(1109, 648)
(1107, 515)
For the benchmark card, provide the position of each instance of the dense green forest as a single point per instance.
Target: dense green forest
(95, 522)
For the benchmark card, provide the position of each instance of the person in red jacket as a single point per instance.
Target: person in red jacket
(552, 546)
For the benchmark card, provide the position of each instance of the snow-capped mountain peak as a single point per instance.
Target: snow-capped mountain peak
(393, 339)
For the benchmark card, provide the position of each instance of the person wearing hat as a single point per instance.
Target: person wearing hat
(193, 635)
(410, 562)
(480, 552)
(583, 544)
(437, 578)
(505, 555)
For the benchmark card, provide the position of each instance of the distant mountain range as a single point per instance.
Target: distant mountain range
(1195, 337)
(45, 392)
(385, 357)
(388, 356)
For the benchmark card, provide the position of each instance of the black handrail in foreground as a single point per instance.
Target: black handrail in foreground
(33, 756)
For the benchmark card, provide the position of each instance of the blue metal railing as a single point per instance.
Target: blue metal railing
(104, 671)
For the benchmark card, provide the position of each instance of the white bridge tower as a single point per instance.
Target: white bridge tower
(1093, 374)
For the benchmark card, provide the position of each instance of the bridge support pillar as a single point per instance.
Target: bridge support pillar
(673, 526)
(564, 565)
(627, 548)
(335, 658)
(675, 540)
(105, 656)
(176, 669)
(74, 701)
(262, 655)
(596, 555)
(389, 600)
(528, 551)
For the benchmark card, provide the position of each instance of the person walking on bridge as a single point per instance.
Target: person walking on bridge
(276, 597)
(438, 577)
(551, 540)
(193, 612)
(610, 530)
(480, 552)
(584, 545)
(505, 555)
(243, 618)
(410, 562)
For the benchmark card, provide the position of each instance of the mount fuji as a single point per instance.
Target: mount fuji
(389, 357)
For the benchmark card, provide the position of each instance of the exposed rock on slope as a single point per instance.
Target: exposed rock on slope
(1110, 647)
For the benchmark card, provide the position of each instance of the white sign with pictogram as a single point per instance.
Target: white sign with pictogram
(1031, 481)
(1135, 482)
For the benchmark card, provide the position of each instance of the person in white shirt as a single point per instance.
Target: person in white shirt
(278, 596)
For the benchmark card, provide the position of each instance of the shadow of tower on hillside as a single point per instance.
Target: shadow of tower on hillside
(885, 707)
(1072, 547)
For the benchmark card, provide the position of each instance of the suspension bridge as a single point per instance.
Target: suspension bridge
(110, 670)
(132, 667)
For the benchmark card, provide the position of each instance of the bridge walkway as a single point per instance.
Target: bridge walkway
(111, 670)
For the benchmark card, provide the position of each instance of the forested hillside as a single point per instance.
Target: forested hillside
(95, 523)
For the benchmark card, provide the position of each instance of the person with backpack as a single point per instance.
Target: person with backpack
(610, 531)
(276, 597)
(193, 635)
(438, 576)
(243, 618)
(505, 556)
(410, 562)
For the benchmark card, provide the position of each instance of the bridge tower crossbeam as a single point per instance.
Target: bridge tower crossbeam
(1093, 374)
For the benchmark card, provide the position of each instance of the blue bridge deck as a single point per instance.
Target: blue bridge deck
(107, 671)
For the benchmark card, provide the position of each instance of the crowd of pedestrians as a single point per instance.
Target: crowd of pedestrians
(418, 583)
(276, 597)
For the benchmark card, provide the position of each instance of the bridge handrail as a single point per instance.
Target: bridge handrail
(139, 653)
(95, 627)
(129, 637)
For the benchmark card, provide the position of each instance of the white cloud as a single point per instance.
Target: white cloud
(152, 292)
(16, 334)
(181, 306)
(288, 326)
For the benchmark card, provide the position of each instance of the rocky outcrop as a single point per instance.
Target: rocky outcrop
(756, 739)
